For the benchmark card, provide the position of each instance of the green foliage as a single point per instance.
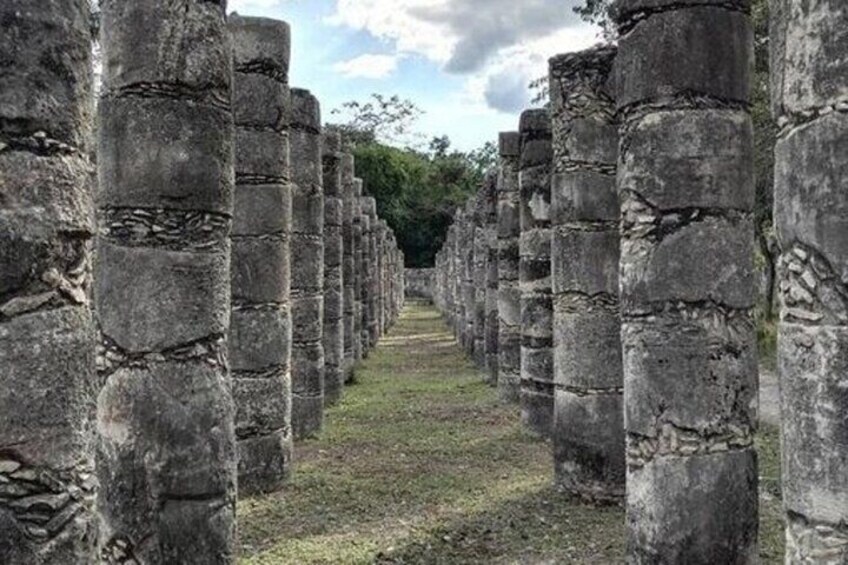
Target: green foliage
(417, 193)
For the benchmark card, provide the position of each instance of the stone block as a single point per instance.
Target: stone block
(260, 339)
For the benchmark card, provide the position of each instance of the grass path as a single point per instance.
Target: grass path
(421, 464)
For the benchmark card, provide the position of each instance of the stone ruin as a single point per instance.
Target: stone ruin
(168, 326)
(638, 222)
(602, 278)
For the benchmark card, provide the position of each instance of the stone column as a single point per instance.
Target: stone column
(810, 96)
(481, 267)
(260, 335)
(370, 209)
(348, 264)
(333, 281)
(307, 253)
(458, 282)
(359, 266)
(686, 187)
(509, 293)
(588, 437)
(47, 336)
(165, 416)
(380, 244)
(490, 228)
(537, 387)
(366, 275)
(469, 291)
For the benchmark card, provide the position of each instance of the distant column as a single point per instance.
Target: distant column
(47, 335)
(367, 274)
(260, 335)
(333, 281)
(348, 264)
(509, 292)
(686, 188)
(165, 416)
(480, 266)
(469, 293)
(490, 228)
(588, 437)
(373, 274)
(307, 252)
(537, 394)
(359, 277)
(810, 81)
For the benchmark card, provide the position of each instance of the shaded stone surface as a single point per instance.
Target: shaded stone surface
(588, 433)
(307, 256)
(810, 98)
(333, 331)
(534, 178)
(348, 263)
(260, 333)
(688, 334)
(165, 416)
(509, 292)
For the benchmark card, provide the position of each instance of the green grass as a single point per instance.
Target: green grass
(420, 463)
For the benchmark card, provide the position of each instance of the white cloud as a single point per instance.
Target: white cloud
(499, 45)
(368, 66)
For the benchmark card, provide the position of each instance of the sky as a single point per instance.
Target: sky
(466, 63)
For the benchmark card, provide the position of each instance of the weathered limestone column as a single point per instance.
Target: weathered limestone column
(307, 253)
(47, 337)
(348, 264)
(810, 96)
(458, 254)
(469, 292)
(588, 437)
(687, 288)
(380, 244)
(260, 335)
(165, 416)
(509, 293)
(333, 276)
(359, 266)
(370, 209)
(490, 228)
(480, 269)
(537, 387)
(366, 274)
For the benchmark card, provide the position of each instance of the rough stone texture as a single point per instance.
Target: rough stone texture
(370, 329)
(491, 323)
(348, 264)
(534, 178)
(480, 271)
(333, 274)
(810, 95)
(467, 247)
(359, 276)
(165, 416)
(47, 338)
(307, 257)
(420, 283)
(588, 438)
(687, 283)
(260, 333)
(509, 293)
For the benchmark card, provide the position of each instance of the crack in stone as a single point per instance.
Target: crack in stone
(628, 21)
(211, 95)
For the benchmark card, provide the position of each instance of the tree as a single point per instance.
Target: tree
(387, 119)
